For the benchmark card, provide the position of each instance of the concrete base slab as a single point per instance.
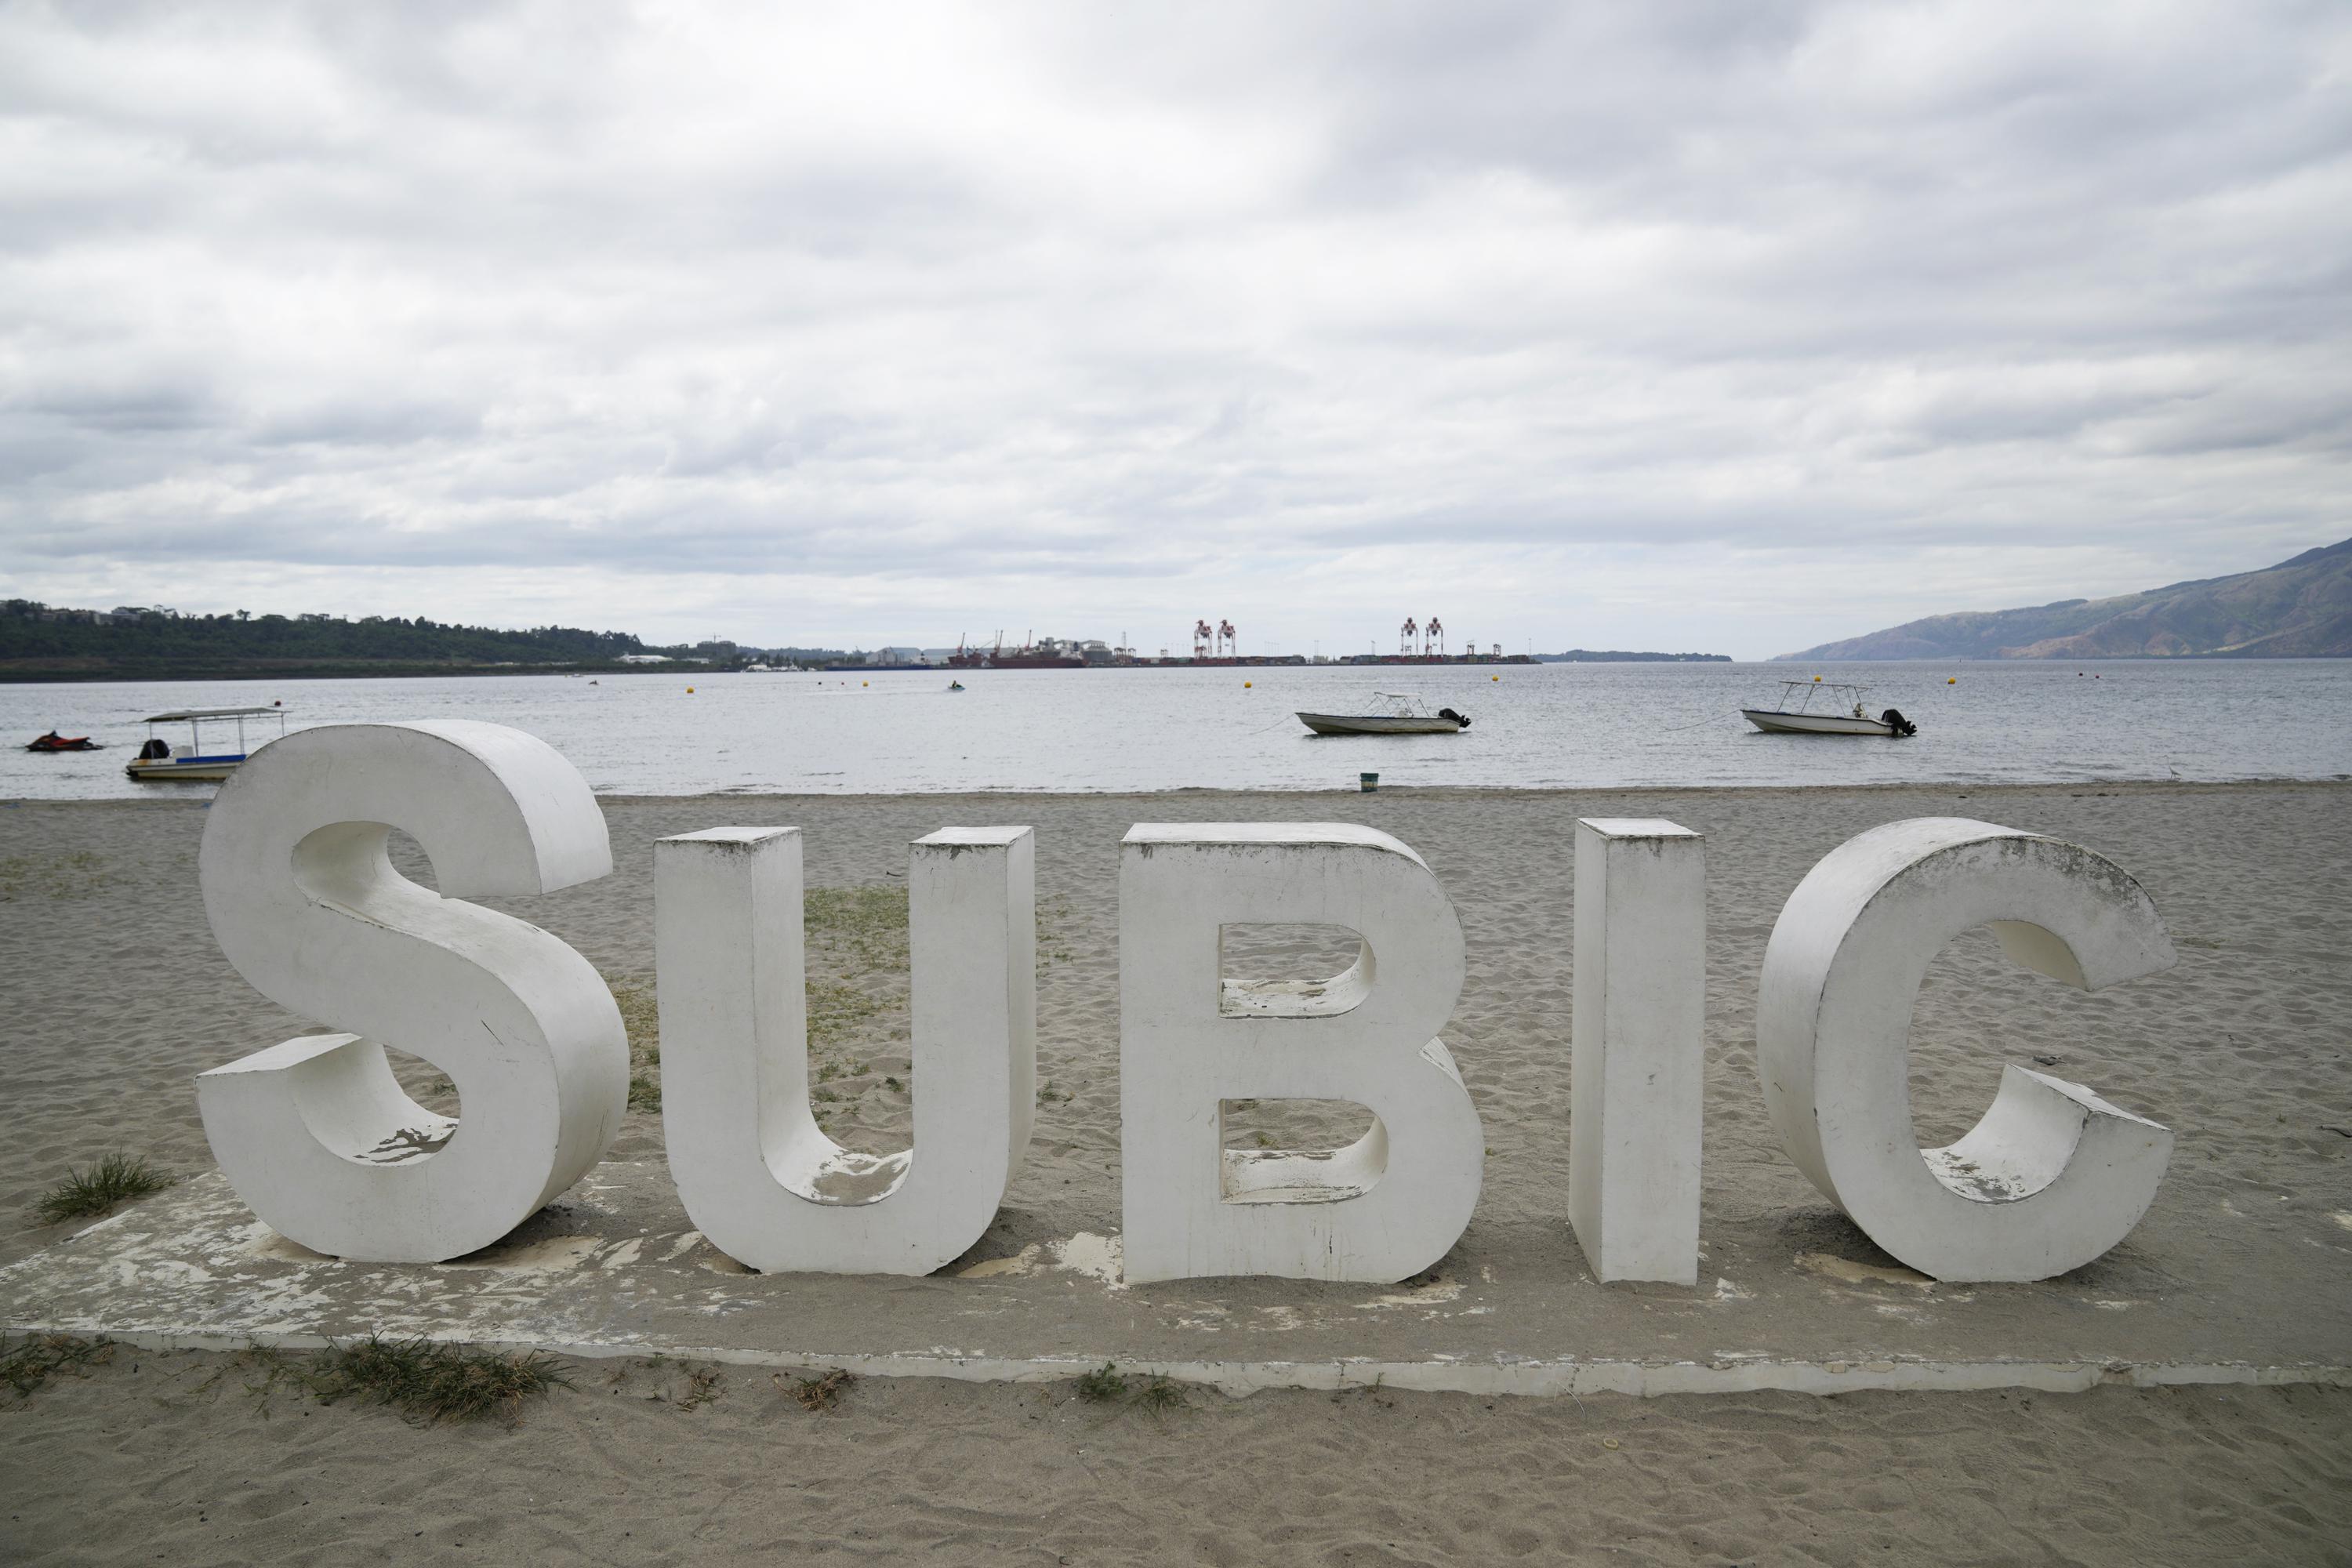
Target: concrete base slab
(1801, 1302)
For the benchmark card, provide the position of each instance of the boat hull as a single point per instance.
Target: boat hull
(1377, 725)
(1774, 723)
(183, 770)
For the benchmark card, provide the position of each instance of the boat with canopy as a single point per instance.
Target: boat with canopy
(1844, 712)
(160, 759)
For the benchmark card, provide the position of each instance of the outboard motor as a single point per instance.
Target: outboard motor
(155, 750)
(1893, 718)
(1450, 713)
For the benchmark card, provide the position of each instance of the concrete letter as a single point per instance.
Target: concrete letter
(1640, 1057)
(2052, 1175)
(315, 1133)
(1386, 1206)
(755, 1173)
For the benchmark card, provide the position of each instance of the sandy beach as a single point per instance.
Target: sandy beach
(2244, 1049)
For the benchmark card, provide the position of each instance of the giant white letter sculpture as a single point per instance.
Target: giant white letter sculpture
(315, 1133)
(2052, 1175)
(1380, 1209)
(1639, 1051)
(754, 1170)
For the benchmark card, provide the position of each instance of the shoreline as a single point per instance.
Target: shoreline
(2072, 787)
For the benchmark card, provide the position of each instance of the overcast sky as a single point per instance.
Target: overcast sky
(1732, 327)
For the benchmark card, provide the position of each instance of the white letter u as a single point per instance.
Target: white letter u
(755, 1173)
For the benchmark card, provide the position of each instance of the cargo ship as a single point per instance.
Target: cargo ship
(1046, 653)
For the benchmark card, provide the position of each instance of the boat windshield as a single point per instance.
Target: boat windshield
(1840, 696)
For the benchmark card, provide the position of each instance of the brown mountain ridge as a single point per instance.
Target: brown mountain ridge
(2300, 608)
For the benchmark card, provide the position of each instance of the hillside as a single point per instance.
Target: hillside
(2300, 608)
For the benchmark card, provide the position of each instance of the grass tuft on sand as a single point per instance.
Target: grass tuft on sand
(1102, 1386)
(32, 1361)
(426, 1380)
(703, 1384)
(1160, 1394)
(817, 1394)
(867, 924)
(116, 1178)
(641, 1018)
(1105, 1384)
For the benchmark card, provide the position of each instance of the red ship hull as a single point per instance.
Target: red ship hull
(1012, 660)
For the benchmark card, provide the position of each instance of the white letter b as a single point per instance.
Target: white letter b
(1382, 1208)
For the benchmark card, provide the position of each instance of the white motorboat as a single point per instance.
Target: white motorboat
(1843, 712)
(159, 758)
(1394, 713)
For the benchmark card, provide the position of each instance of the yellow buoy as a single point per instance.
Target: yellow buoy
(865, 683)
(1817, 678)
(1494, 678)
(1952, 680)
(689, 691)
(1245, 686)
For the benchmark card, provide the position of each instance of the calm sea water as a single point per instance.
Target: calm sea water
(1148, 730)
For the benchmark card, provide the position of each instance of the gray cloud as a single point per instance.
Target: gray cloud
(1672, 325)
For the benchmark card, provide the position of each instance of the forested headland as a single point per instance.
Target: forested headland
(40, 642)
